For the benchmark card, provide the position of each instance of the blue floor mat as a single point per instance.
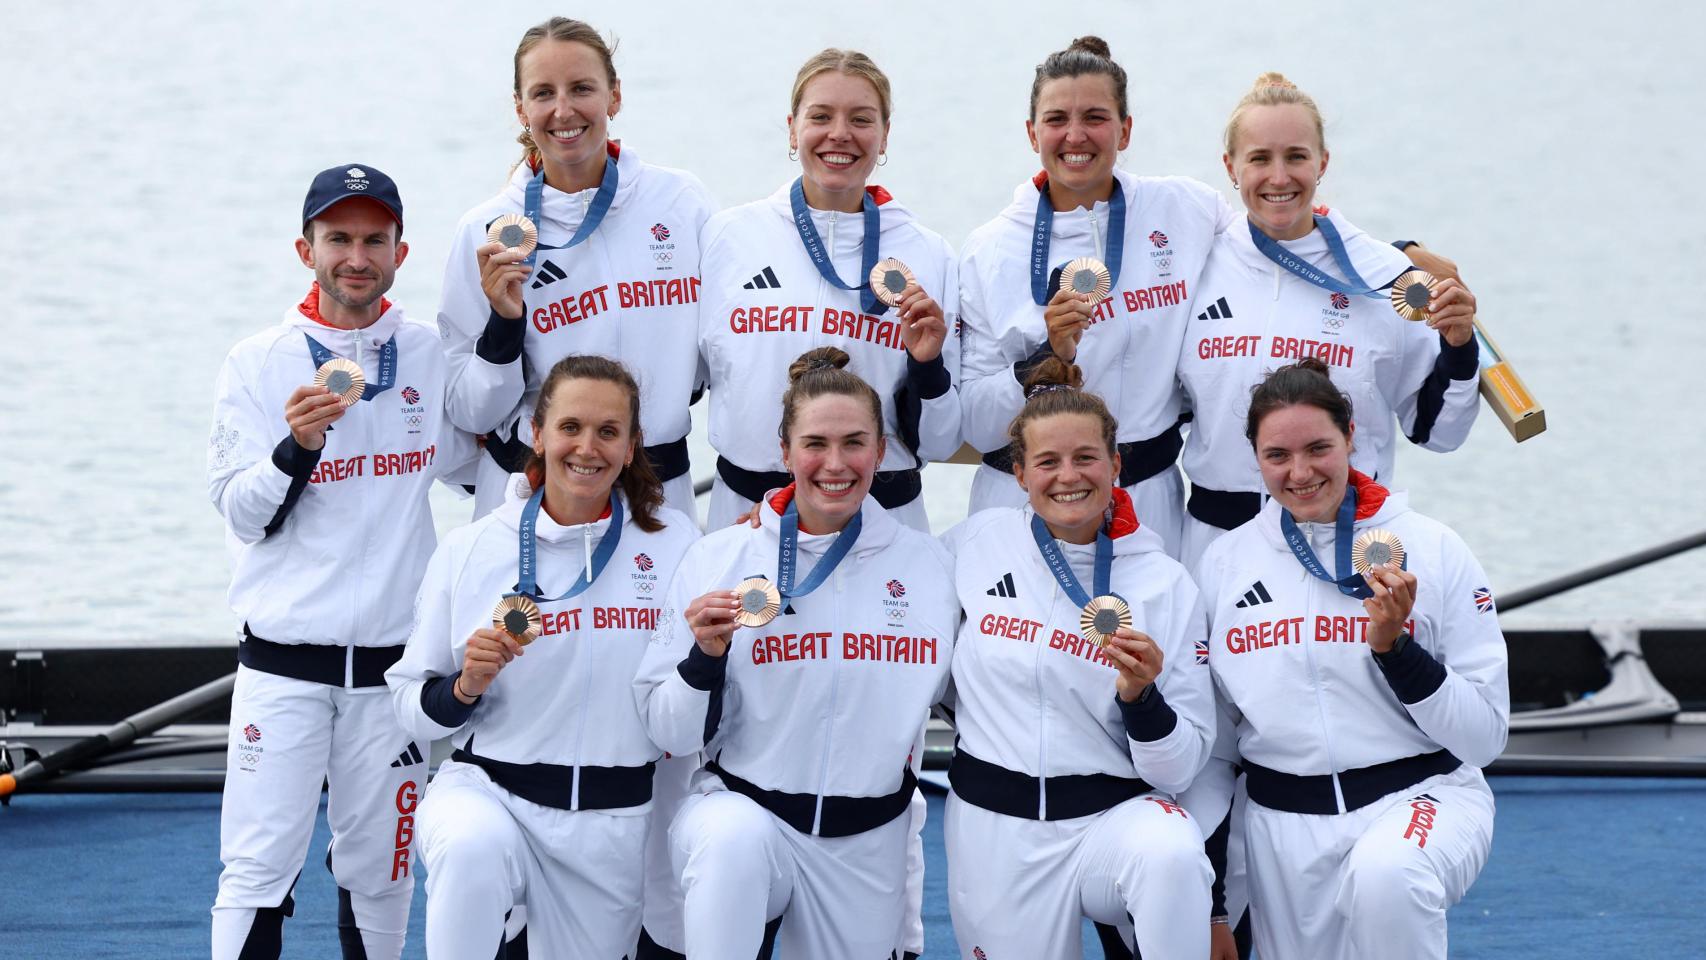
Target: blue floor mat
(1580, 868)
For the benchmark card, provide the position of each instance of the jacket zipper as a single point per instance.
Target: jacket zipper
(1312, 590)
(829, 722)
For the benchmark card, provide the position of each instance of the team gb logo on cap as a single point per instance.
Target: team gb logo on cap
(356, 179)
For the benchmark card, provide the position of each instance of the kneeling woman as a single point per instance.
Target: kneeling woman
(546, 799)
(804, 650)
(1072, 740)
(1365, 695)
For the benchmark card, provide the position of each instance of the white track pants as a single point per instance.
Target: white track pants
(1159, 501)
(839, 898)
(580, 872)
(727, 506)
(1018, 888)
(287, 738)
(1375, 882)
(670, 787)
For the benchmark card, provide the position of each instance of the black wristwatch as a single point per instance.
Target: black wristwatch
(1398, 646)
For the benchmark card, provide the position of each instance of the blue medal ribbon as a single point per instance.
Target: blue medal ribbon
(1057, 564)
(387, 365)
(595, 211)
(820, 257)
(1043, 232)
(1352, 583)
(527, 584)
(1297, 267)
(787, 554)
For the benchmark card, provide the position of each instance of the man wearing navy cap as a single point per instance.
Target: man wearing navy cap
(329, 429)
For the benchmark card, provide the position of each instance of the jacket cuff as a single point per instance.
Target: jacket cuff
(1459, 363)
(1022, 369)
(1149, 717)
(439, 703)
(293, 460)
(1411, 672)
(703, 671)
(501, 341)
(929, 380)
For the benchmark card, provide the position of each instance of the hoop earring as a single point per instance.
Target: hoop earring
(882, 159)
(1234, 184)
(793, 153)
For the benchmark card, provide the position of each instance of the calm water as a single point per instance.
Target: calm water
(153, 160)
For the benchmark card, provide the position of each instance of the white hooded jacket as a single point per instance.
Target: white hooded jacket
(764, 303)
(1032, 696)
(330, 544)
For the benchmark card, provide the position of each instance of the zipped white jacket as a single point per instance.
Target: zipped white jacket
(1250, 317)
(630, 291)
(825, 700)
(764, 304)
(1130, 349)
(330, 544)
(1034, 697)
(1291, 661)
(568, 699)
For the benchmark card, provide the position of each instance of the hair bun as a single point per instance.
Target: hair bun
(818, 358)
(1053, 374)
(1092, 44)
(1273, 78)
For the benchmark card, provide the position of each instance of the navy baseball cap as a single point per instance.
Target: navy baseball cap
(351, 180)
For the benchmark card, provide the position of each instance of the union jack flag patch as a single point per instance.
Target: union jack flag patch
(1202, 651)
(1483, 600)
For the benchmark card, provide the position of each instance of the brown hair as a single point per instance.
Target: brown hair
(1056, 386)
(642, 491)
(1271, 90)
(564, 30)
(818, 372)
(1305, 383)
(1085, 56)
(851, 62)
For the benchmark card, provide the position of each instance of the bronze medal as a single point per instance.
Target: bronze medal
(1087, 277)
(1411, 293)
(1101, 617)
(519, 617)
(342, 377)
(890, 279)
(1375, 547)
(760, 602)
(515, 232)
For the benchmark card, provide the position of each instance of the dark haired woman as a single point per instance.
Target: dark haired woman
(1363, 703)
(794, 270)
(1151, 233)
(1297, 281)
(546, 800)
(1071, 743)
(805, 651)
(616, 271)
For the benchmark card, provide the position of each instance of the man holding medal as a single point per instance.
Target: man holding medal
(329, 429)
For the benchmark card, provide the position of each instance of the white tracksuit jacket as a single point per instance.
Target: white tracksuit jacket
(568, 699)
(1250, 316)
(1291, 662)
(629, 292)
(339, 565)
(1033, 697)
(822, 701)
(764, 304)
(1129, 352)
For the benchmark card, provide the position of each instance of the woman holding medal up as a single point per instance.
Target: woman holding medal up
(1092, 265)
(1081, 705)
(546, 800)
(805, 651)
(1363, 676)
(829, 260)
(1294, 281)
(587, 250)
